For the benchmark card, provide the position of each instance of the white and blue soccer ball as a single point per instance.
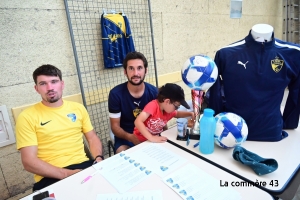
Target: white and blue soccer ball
(199, 72)
(231, 130)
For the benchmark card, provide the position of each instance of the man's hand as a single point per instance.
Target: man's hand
(158, 139)
(132, 138)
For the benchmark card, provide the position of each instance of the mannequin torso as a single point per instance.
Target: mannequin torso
(262, 32)
(255, 75)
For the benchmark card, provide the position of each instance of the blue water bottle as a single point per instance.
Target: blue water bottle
(207, 131)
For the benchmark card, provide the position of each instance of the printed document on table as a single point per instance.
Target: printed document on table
(124, 171)
(141, 195)
(161, 160)
(192, 183)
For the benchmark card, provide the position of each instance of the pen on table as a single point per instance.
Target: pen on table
(197, 144)
(90, 176)
(188, 137)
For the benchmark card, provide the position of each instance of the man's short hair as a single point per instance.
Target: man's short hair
(134, 55)
(47, 70)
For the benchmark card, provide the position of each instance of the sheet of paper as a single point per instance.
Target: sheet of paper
(161, 160)
(191, 183)
(141, 195)
(106, 164)
(124, 171)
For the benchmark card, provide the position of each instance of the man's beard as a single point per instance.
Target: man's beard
(52, 99)
(138, 83)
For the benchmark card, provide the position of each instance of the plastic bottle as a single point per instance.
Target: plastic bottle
(207, 131)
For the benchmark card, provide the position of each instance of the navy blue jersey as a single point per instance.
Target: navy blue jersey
(254, 77)
(116, 39)
(122, 104)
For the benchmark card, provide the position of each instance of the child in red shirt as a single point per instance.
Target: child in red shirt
(151, 121)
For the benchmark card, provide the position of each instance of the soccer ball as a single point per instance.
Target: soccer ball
(199, 72)
(231, 130)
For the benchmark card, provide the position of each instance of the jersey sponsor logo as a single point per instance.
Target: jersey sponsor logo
(42, 124)
(277, 64)
(240, 63)
(114, 37)
(72, 116)
(120, 25)
(136, 112)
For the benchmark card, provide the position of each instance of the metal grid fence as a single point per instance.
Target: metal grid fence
(85, 30)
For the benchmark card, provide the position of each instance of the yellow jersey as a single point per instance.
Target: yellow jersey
(57, 133)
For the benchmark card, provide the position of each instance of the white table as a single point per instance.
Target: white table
(285, 152)
(71, 187)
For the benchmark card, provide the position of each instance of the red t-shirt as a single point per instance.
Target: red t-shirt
(156, 121)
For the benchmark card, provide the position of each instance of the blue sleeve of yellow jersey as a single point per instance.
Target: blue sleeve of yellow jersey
(129, 38)
(105, 44)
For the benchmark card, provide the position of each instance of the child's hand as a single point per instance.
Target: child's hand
(158, 139)
(191, 121)
(192, 116)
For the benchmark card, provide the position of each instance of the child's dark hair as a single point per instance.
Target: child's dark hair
(47, 70)
(134, 55)
(173, 92)
(160, 97)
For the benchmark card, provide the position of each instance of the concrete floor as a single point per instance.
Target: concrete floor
(297, 195)
(19, 196)
(292, 192)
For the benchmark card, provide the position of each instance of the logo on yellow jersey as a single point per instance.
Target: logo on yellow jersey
(72, 116)
(42, 124)
(114, 37)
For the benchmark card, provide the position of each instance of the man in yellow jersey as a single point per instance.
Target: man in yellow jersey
(49, 134)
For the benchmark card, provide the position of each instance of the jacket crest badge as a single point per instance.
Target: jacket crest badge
(277, 64)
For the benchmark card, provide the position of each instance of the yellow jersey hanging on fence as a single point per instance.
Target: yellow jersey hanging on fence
(116, 39)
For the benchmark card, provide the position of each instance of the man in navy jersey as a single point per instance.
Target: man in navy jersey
(127, 100)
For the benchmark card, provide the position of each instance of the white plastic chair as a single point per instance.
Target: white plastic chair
(87, 149)
(111, 142)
